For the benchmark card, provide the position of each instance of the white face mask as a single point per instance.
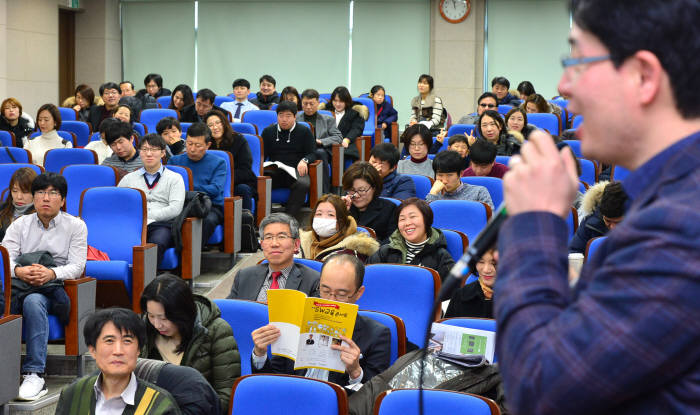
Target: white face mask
(324, 227)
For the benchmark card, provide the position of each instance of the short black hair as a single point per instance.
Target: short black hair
(153, 140)
(167, 123)
(376, 89)
(50, 179)
(343, 257)
(155, 78)
(109, 85)
(457, 138)
(487, 95)
(287, 106)
(386, 152)
(500, 80)
(106, 124)
(427, 78)
(125, 82)
(448, 162)
(310, 94)
(269, 79)
(417, 129)
(612, 202)
(482, 152)
(117, 130)
(424, 209)
(207, 95)
(199, 129)
(526, 87)
(241, 82)
(123, 319)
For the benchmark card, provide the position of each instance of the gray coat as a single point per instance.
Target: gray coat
(248, 281)
(326, 131)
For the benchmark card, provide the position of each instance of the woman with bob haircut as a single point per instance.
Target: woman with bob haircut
(418, 140)
(333, 230)
(82, 100)
(186, 329)
(492, 128)
(426, 107)
(347, 119)
(20, 200)
(11, 120)
(48, 119)
(181, 97)
(476, 298)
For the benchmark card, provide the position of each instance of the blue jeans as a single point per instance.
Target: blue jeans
(35, 317)
(246, 193)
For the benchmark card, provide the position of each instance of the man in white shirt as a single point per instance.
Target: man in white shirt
(241, 89)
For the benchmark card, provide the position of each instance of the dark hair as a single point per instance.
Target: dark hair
(50, 179)
(539, 101)
(123, 319)
(310, 94)
(341, 211)
(23, 178)
(365, 171)
(187, 96)
(206, 94)
(513, 111)
(166, 124)
(127, 106)
(199, 129)
(482, 152)
(448, 162)
(376, 89)
(241, 82)
(125, 82)
(116, 131)
(86, 92)
(424, 209)
(612, 202)
(348, 258)
(526, 87)
(293, 91)
(228, 133)
(487, 95)
(176, 298)
(106, 124)
(500, 80)
(427, 78)
(668, 29)
(109, 85)
(287, 106)
(55, 114)
(414, 130)
(495, 116)
(153, 140)
(155, 78)
(343, 94)
(386, 152)
(457, 138)
(268, 78)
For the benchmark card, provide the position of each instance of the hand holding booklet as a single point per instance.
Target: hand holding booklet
(309, 326)
(462, 346)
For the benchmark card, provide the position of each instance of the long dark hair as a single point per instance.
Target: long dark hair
(23, 178)
(228, 136)
(176, 298)
(187, 96)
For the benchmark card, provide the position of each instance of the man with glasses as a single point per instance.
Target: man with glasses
(365, 355)
(164, 189)
(202, 105)
(125, 158)
(111, 94)
(279, 240)
(38, 288)
(208, 174)
(487, 101)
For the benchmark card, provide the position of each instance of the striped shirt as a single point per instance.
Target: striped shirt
(413, 249)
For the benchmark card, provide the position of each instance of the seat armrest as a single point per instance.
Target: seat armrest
(378, 136)
(264, 205)
(81, 292)
(395, 134)
(233, 211)
(191, 255)
(316, 178)
(337, 164)
(10, 358)
(143, 272)
(363, 147)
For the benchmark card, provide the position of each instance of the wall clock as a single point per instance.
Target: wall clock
(455, 11)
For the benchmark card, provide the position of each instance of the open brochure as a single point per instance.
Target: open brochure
(462, 346)
(309, 327)
(290, 170)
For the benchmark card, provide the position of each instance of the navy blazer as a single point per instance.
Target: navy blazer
(386, 114)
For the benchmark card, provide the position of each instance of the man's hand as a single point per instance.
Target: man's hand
(437, 188)
(318, 142)
(172, 140)
(470, 138)
(541, 178)
(346, 142)
(302, 168)
(263, 337)
(412, 122)
(384, 126)
(35, 274)
(350, 356)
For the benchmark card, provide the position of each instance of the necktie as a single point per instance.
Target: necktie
(274, 284)
(237, 115)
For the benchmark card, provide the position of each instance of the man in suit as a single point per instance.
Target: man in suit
(325, 130)
(279, 235)
(110, 93)
(201, 107)
(365, 355)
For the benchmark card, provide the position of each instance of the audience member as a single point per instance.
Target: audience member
(499, 86)
(127, 89)
(186, 329)
(48, 119)
(415, 241)
(492, 128)
(384, 157)
(363, 185)
(20, 200)
(289, 93)
(475, 299)
(386, 114)
(460, 143)
(448, 183)
(208, 174)
(427, 108)
(604, 207)
(267, 95)
(482, 161)
(291, 150)
(486, 101)
(279, 240)
(536, 103)
(125, 113)
(82, 100)
(181, 98)
(38, 287)
(125, 158)
(110, 93)
(164, 190)
(113, 337)
(418, 140)
(332, 230)
(135, 103)
(365, 355)
(324, 128)
(348, 120)
(198, 111)
(169, 128)
(11, 120)
(241, 90)
(100, 146)
(516, 123)
(154, 86)
(224, 138)
(525, 89)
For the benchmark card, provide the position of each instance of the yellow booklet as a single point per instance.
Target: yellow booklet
(309, 327)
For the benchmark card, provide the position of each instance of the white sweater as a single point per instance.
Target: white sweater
(103, 150)
(165, 200)
(39, 145)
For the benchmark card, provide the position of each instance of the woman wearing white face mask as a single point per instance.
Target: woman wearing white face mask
(332, 230)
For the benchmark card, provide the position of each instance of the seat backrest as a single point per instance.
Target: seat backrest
(575, 146)
(387, 286)
(572, 222)
(243, 316)
(80, 129)
(457, 129)
(20, 155)
(457, 243)
(618, 173)
(220, 99)
(228, 158)
(116, 220)
(304, 395)
(56, 158)
(84, 176)
(7, 139)
(95, 136)
(369, 231)
(545, 121)
(397, 329)
(593, 245)
(435, 402)
(244, 128)
(465, 216)
(423, 184)
(371, 122)
(493, 184)
(7, 170)
(503, 109)
(392, 200)
(141, 129)
(67, 114)
(561, 102)
(186, 174)
(150, 117)
(588, 173)
(164, 101)
(487, 324)
(503, 159)
(578, 119)
(327, 97)
(261, 118)
(256, 150)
